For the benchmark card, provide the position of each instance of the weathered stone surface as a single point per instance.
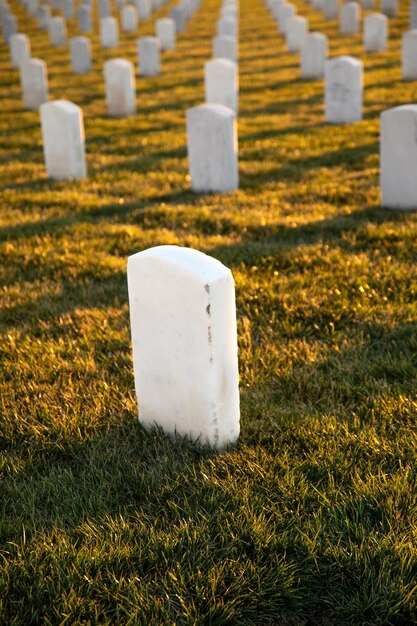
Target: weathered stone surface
(184, 340)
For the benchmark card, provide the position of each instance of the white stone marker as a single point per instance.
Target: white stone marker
(221, 83)
(19, 49)
(145, 9)
(165, 32)
(343, 90)
(375, 32)
(226, 26)
(63, 140)
(409, 55)
(32, 7)
(84, 19)
(350, 15)
(314, 52)
(413, 14)
(331, 9)
(44, 15)
(224, 46)
(80, 48)
(130, 19)
(34, 83)
(212, 148)
(104, 8)
(149, 56)
(398, 153)
(109, 32)
(68, 6)
(368, 5)
(287, 12)
(57, 31)
(9, 26)
(179, 17)
(184, 341)
(389, 8)
(119, 75)
(297, 29)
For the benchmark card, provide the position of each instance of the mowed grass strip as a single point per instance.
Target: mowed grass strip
(311, 518)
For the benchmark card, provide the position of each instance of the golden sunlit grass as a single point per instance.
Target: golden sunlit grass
(311, 518)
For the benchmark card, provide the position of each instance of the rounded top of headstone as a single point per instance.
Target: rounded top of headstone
(203, 266)
(317, 35)
(402, 109)
(218, 110)
(66, 106)
(344, 59)
(118, 62)
(221, 61)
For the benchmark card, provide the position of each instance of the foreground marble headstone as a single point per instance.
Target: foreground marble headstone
(224, 46)
(57, 31)
(165, 31)
(119, 77)
(409, 55)
(343, 90)
(184, 342)
(149, 56)
(314, 52)
(398, 154)
(221, 83)
(109, 32)
(297, 28)
(19, 49)
(34, 83)
(130, 18)
(350, 14)
(375, 32)
(64, 159)
(212, 148)
(80, 49)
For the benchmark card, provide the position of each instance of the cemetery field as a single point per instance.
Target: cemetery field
(311, 519)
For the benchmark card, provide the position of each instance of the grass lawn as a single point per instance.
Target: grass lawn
(311, 519)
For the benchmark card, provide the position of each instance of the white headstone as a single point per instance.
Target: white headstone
(297, 29)
(398, 150)
(184, 341)
(32, 7)
(165, 31)
(9, 26)
(368, 5)
(64, 158)
(413, 14)
(57, 31)
(331, 9)
(350, 15)
(130, 18)
(34, 83)
(109, 32)
(226, 26)
(313, 55)
(68, 6)
(119, 77)
(375, 32)
(287, 12)
(80, 48)
(149, 56)
(145, 9)
(343, 90)
(212, 148)
(409, 55)
(221, 83)
(19, 49)
(179, 17)
(104, 9)
(224, 46)
(389, 8)
(84, 19)
(44, 15)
